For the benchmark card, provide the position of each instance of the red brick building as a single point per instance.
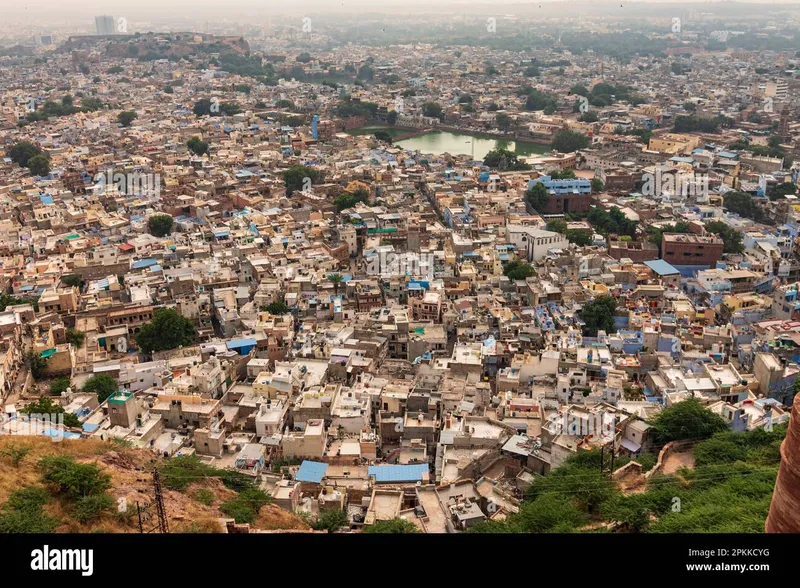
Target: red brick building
(688, 249)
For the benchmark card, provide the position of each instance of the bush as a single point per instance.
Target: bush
(395, 525)
(16, 453)
(238, 510)
(59, 385)
(101, 384)
(160, 225)
(686, 420)
(23, 513)
(90, 508)
(74, 480)
(168, 330)
(330, 520)
(205, 496)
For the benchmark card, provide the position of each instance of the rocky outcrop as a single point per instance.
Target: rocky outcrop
(784, 512)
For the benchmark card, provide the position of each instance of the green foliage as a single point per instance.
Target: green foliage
(580, 237)
(22, 152)
(197, 146)
(245, 507)
(9, 300)
(179, 472)
(23, 513)
(557, 225)
(432, 109)
(160, 225)
(90, 508)
(590, 116)
(16, 453)
(686, 420)
(347, 200)
(59, 385)
(126, 117)
(74, 480)
(538, 197)
(294, 178)
(39, 165)
(731, 237)
(743, 204)
(518, 270)
(396, 525)
(330, 520)
(73, 280)
(780, 190)
(656, 234)
(102, 384)
(567, 141)
(538, 100)
(384, 136)
(503, 121)
(597, 185)
(335, 279)
(611, 221)
(348, 108)
(36, 364)
(757, 447)
(598, 314)
(205, 496)
(75, 337)
(693, 124)
(276, 308)
(168, 330)
(503, 159)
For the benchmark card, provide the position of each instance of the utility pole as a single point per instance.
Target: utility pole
(162, 512)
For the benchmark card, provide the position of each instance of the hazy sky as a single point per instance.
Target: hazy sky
(73, 11)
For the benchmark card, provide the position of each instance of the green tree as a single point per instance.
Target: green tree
(73, 280)
(567, 141)
(39, 165)
(597, 185)
(300, 177)
(23, 513)
(580, 237)
(590, 116)
(518, 270)
(7, 300)
(432, 109)
(102, 384)
(330, 520)
(686, 420)
(335, 279)
(503, 121)
(557, 225)
(160, 225)
(126, 117)
(598, 314)
(395, 525)
(168, 330)
(538, 197)
(503, 159)
(780, 190)
(731, 237)
(22, 152)
(277, 308)
(75, 337)
(743, 204)
(384, 136)
(36, 364)
(59, 385)
(197, 146)
(347, 200)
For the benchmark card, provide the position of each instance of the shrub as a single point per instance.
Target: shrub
(74, 480)
(90, 508)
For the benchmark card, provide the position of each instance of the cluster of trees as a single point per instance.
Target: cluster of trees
(433, 109)
(598, 314)
(743, 204)
(295, 178)
(537, 197)
(348, 107)
(168, 330)
(655, 234)
(66, 107)
(771, 149)
(383, 135)
(518, 270)
(604, 94)
(611, 221)
(197, 146)
(567, 141)
(126, 117)
(26, 154)
(731, 237)
(693, 124)
(160, 225)
(538, 100)
(347, 200)
(578, 236)
(208, 107)
(503, 159)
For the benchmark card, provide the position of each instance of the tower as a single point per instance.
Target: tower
(785, 505)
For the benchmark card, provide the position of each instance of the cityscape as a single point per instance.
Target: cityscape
(473, 268)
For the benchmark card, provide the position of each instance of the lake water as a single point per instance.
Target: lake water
(438, 142)
(478, 146)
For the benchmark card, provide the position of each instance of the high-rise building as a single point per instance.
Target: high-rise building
(104, 25)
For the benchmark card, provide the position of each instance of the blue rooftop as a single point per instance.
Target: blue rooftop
(398, 473)
(311, 471)
(661, 267)
(143, 263)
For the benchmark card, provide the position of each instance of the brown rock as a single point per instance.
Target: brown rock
(784, 512)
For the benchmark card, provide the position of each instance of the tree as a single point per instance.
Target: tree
(277, 308)
(384, 136)
(780, 190)
(168, 330)
(22, 152)
(395, 525)
(36, 364)
(391, 118)
(518, 270)
(432, 109)
(503, 121)
(59, 385)
(656, 234)
(75, 337)
(126, 117)
(743, 204)
(39, 165)
(598, 314)
(197, 146)
(503, 159)
(686, 420)
(330, 520)
(347, 200)
(597, 185)
(160, 225)
(731, 237)
(300, 177)
(580, 237)
(23, 513)
(73, 280)
(557, 225)
(101, 384)
(567, 141)
(590, 116)
(336, 280)
(538, 197)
